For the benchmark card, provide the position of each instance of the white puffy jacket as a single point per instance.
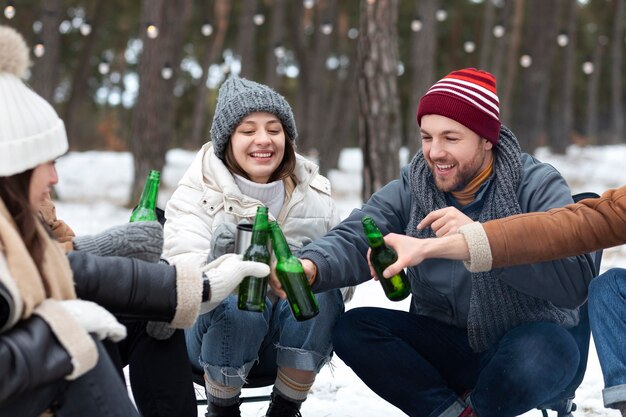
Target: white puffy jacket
(208, 196)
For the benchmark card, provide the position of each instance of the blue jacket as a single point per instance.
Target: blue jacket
(441, 288)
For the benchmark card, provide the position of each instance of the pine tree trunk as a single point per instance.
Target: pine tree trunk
(593, 94)
(530, 117)
(154, 112)
(77, 103)
(199, 132)
(563, 114)
(245, 39)
(379, 112)
(339, 116)
(421, 68)
(487, 36)
(46, 69)
(500, 45)
(512, 63)
(617, 72)
(277, 35)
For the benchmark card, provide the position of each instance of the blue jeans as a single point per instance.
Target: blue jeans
(227, 342)
(425, 367)
(100, 392)
(607, 315)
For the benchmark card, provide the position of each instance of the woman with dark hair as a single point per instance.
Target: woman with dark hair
(251, 162)
(48, 359)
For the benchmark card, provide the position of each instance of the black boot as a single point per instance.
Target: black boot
(228, 411)
(282, 407)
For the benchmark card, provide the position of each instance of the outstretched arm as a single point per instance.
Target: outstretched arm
(583, 227)
(587, 226)
(412, 251)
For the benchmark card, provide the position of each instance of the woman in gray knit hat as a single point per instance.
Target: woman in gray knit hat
(251, 161)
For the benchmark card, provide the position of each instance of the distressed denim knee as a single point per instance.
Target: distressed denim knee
(225, 342)
(307, 345)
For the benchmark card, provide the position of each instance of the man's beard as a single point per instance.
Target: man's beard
(457, 183)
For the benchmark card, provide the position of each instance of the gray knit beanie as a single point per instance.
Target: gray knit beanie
(239, 97)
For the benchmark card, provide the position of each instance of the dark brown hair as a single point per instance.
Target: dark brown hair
(14, 194)
(285, 169)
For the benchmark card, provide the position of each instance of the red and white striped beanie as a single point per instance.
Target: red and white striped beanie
(467, 96)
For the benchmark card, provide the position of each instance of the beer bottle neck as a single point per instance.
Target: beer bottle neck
(281, 248)
(375, 241)
(260, 228)
(150, 191)
(372, 233)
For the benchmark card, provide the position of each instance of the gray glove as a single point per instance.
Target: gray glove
(160, 330)
(223, 241)
(140, 240)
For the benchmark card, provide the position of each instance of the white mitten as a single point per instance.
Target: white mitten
(224, 275)
(95, 319)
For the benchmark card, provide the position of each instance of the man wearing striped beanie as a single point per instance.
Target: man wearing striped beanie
(465, 101)
(467, 96)
(489, 344)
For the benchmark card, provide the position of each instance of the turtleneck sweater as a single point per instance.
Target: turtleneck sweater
(272, 194)
(466, 195)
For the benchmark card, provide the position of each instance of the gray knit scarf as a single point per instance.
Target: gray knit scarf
(495, 307)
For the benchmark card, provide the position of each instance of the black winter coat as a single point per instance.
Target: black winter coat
(30, 354)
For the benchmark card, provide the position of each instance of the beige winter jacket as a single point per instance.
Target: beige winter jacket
(208, 196)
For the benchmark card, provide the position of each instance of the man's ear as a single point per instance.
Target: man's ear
(487, 145)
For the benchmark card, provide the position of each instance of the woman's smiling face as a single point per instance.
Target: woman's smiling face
(258, 145)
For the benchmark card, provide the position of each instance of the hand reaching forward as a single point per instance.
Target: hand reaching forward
(226, 273)
(310, 270)
(445, 221)
(413, 251)
(95, 319)
(140, 240)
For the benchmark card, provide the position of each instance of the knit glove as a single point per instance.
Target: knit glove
(225, 274)
(223, 241)
(140, 240)
(95, 319)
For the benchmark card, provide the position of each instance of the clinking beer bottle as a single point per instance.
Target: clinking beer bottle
(145, 210)
(291, 276)
(252, 290)
(396, 287)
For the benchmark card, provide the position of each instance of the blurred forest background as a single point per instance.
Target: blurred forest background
(142, 76)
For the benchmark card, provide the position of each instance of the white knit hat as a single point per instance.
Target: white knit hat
(31, 132)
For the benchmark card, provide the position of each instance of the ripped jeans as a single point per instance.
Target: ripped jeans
(226, 342)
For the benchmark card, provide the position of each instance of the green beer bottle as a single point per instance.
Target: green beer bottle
(291, 276)
(252, 290)
(144, 211)
(396, 287)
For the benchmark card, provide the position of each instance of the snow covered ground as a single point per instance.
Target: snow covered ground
(94, 188)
